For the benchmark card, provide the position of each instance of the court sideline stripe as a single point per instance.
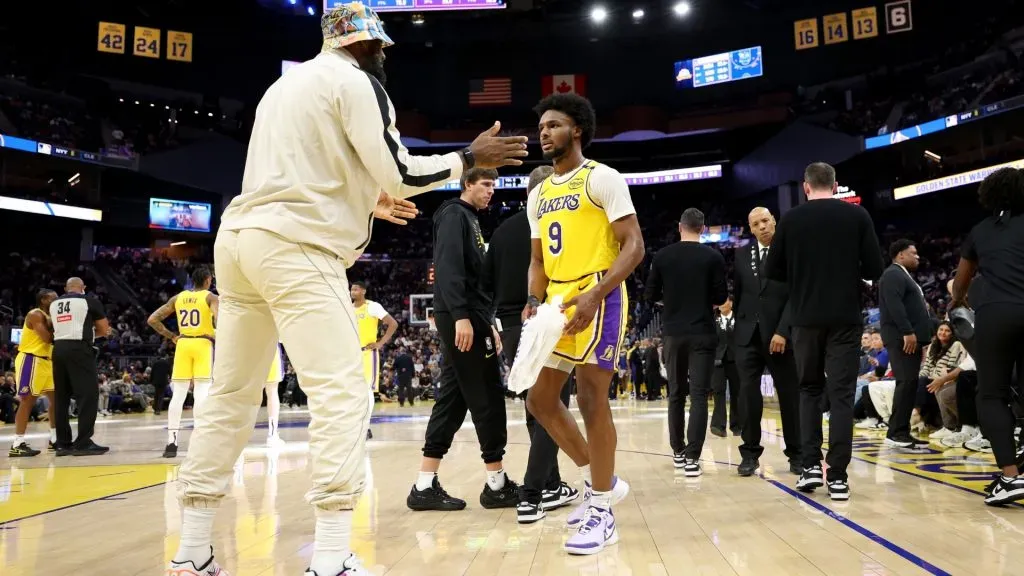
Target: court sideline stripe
(69, 506)
(888, 544)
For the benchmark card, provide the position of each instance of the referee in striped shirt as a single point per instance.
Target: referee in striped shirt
(77, 320)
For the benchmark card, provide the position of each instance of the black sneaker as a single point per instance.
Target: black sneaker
(720, 432)
(433, 498)
(691, 468)
(369, 434)
(562, 496)
(90, 449)
(748, 466)
(991, 485)
(1006, 490)
(795, 468)
(22, 450)
(1020, 460)
(171, 450)
(506, 497)
(839, 490)
(529, 512)
(51, 447)
(64, 451)
(678, 460)
(906, 442)
(810, 479)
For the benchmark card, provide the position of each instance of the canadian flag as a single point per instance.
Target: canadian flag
(564, 84)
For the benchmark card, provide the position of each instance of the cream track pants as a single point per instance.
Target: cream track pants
(270, 288)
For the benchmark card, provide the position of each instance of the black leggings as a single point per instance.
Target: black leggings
(967, 398)
(926, 403)
(999, 345)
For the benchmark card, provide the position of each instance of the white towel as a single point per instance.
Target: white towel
(539, 338)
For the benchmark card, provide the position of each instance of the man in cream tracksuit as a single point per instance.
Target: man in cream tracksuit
(324, 159)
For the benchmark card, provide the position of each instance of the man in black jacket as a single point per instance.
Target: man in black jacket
(762, 332)
(725, 372)
(689, 279)
(652, 370)
(823, 250)
(471, 374)
(505, 267)
(906, 327)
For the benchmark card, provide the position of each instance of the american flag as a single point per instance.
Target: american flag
(490, 92)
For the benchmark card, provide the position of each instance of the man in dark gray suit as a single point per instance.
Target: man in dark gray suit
(906, 327)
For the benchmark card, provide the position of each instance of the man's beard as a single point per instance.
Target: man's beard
(376, 69)
(556, 153)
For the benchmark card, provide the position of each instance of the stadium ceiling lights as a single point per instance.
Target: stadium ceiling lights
(681, 9)
(598, 14)
(638, 14)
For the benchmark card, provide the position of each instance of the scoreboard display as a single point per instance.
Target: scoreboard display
(719, 68)
(422, 5)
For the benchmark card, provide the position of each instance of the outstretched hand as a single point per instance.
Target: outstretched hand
(394, 210)
(493, 151)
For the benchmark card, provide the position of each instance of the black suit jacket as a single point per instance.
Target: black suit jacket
(902, 308)
(759, 303)
(652, 368)
(726, 350)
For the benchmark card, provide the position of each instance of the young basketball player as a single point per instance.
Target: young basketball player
(196, 313)
(33, 371)
(585, 241)
(369, 315)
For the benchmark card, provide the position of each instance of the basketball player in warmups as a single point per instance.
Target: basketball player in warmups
(33, 370)
(369, 315)
(196, 313)
(585, 242)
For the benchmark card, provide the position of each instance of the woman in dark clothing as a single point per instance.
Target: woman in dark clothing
(995, 248)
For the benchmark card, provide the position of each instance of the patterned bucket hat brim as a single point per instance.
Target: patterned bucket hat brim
(352, 22)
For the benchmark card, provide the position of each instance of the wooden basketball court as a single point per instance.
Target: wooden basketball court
(117, 515)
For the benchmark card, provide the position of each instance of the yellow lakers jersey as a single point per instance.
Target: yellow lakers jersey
(574, 230)
(195, 319)
(367, 323)
(31, 343)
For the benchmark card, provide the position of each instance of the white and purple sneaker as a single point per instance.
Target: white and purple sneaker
(596, 530)
(620, 489)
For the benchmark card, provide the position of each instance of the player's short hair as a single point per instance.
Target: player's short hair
(820, 176)
(199, 276)
(360, 283)
(576, 107)
(539, 174)
(43, 294)
(692, 220)
(474, 175)
(1003, 190)
(899, 246)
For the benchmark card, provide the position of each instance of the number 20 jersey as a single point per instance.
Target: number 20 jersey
(195, 319)
(575, 232)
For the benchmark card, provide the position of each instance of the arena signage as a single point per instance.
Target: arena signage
(953, 181)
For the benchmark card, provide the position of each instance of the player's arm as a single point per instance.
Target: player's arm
(609, 190)
(390, 326)
(654, 287)
(536, 278)
(100, 324)
(213, 301)
(156, 320)
(37, 322)
(369, 121)
(719, 286)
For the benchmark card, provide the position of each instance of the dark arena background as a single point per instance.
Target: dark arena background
(123, 135)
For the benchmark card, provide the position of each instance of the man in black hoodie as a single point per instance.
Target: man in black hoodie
(471, 373)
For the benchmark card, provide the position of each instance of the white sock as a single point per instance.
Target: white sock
(18, 440)
(602, 500)
(272, 427)
(425, 480)
(179, 391)
(53, 435)
(585, 472)
(331, 546)
(496, 479)
(196, 535)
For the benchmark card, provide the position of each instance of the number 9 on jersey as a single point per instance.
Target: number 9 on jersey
(555, 237)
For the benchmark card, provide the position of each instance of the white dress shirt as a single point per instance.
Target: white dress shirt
(323, 146)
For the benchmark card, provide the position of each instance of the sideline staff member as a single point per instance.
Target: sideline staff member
(77, 320)
(471, 374)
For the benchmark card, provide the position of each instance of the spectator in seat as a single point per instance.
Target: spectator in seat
(942, 357)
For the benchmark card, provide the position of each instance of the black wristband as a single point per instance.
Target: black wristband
(467, 157)
(533, 301)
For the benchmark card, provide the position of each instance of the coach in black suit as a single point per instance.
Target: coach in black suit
(906, 327)
(761, 335)
(725, 371)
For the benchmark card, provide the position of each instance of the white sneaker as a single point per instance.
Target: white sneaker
(957, 439)
(940, 434)
(978, 444)
(351, 567)
(620, 489)
(867, 424)
(188, 568)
